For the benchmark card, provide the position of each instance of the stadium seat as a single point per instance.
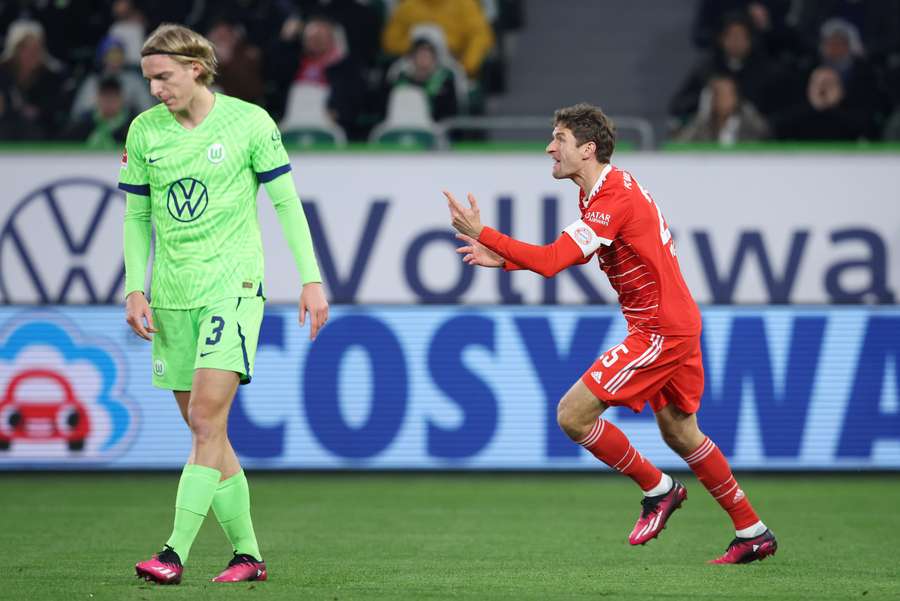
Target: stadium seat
(408, 121)
(306, 121)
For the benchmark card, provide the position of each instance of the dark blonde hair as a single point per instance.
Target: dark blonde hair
(185, 46)
(589, 124)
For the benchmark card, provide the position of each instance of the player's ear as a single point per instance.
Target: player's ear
(588, 149)
(196, 70)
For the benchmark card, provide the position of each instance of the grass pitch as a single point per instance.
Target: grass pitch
(521, 536)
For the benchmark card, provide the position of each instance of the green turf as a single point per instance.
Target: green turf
(521, 536)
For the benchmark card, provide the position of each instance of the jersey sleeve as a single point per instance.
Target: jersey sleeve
(133, 171)
(268, 158)
(602, 221)
(547, 260)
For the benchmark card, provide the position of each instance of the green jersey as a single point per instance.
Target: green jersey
(202, 185)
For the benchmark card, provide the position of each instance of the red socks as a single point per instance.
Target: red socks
(608, 444)
(713, 471)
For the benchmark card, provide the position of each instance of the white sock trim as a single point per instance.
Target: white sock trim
(664, 486)
(751, 531)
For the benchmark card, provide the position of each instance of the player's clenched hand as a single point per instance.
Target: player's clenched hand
(312, 300)
(466, 220)
(137, 313)
(475, 253)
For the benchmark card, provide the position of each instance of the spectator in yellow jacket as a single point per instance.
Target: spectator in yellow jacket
(469, 35)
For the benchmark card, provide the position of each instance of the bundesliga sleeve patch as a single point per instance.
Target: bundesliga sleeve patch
(125, 158)
(586, 238)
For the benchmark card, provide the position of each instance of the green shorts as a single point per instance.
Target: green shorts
(220, 336)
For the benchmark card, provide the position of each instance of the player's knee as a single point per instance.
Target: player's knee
(204, 427)
(570, 421)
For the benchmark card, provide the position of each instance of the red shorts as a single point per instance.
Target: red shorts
(649, 367)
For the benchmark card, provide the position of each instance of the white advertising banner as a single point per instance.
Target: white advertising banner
(793, 229)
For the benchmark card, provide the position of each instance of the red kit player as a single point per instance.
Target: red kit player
(659, 361)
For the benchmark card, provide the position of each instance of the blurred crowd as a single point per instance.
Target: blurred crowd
(769, 69)
(70, 69)
(792, 70)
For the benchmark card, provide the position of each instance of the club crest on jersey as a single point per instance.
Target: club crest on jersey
(215, 153)
(186, 199)
(583, 235)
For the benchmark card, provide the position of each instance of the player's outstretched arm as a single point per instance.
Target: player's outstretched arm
(547, 260)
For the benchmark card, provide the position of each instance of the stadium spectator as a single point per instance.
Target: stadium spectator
(877, 21)
(766, 16)
(323, 61)
(724, 116)
(75, 45)
(106, 125)
(841, 49)
(110, 62)
(240, 62)
(736, 54)
(422, 68)
(35, 83)
(842, 97)
(829, 111)
(361, 20)
(129, 26)
(469, 35)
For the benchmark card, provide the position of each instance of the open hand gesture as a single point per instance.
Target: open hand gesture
(475, 253)
(467, 221)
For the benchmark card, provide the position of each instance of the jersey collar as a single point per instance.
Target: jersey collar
(586, 199)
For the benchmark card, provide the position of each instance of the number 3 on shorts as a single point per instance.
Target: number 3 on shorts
(612, 355)
(219, 324)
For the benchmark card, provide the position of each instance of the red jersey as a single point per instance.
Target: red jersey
(625, 229)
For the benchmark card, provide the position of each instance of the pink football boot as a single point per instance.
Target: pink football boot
(655, 513)
(745, 550)
(164, 568)
(242, 568)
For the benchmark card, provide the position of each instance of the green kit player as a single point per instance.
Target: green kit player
(192, 168)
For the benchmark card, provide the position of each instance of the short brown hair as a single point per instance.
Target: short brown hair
(589, 124)
(185, 46)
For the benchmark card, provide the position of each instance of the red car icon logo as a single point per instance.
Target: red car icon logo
(48, 411)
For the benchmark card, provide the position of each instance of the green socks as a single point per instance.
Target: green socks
(231, 504)
(196, 490)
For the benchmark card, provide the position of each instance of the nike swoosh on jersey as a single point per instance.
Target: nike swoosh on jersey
(205, 354)
(151, 160)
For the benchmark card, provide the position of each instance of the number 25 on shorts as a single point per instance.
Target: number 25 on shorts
(612, 355)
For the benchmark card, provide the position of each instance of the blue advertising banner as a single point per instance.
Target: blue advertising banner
(461, 387)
